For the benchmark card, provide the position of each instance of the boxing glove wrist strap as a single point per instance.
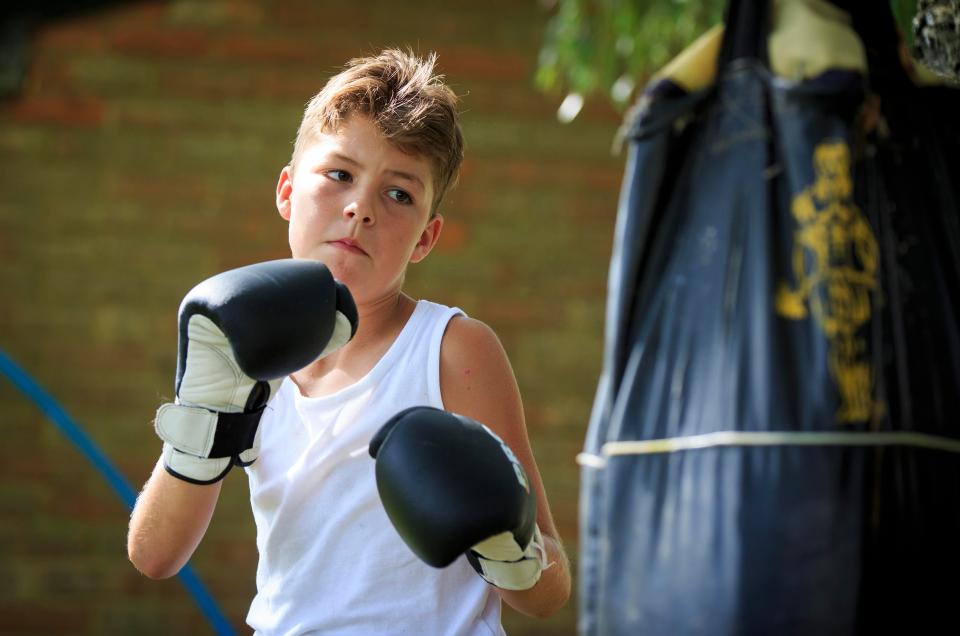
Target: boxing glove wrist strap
(204, 433)
(200, 445)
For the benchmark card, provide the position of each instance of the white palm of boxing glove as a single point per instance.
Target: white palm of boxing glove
(214, 422)
(212, 384)
(502, 562)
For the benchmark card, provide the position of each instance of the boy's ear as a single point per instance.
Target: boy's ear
(428, 238)
(284, 190)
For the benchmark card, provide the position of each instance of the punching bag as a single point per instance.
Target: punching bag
(775, 447)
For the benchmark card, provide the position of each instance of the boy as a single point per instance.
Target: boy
(377, 150)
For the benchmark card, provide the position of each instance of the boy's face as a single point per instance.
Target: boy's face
(361, 206)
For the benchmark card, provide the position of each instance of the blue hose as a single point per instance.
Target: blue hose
(45, 402)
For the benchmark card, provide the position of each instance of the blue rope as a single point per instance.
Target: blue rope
(115, 479)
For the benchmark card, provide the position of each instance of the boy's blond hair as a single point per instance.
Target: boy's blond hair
(408, 102)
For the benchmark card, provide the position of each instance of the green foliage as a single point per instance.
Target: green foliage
(607, 47)
(903, 11)
(591, 44)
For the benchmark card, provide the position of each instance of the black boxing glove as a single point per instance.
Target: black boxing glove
(241, 332)
(450, 486)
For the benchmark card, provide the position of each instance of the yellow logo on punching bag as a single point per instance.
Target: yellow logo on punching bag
(835, 266)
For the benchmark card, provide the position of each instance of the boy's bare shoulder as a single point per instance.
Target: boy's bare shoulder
(467, 341)
(476, 378)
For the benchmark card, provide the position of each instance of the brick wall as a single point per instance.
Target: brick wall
(141, 157)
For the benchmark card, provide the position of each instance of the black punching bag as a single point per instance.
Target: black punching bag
(775, 445)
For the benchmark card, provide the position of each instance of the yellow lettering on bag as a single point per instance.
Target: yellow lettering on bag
(834, 262)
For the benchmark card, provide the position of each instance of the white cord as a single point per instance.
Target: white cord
(765, 438)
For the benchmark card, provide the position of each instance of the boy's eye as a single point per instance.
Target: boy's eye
(339, 175)
(399, 195)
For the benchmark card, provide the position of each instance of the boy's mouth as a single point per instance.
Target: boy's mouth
(348, 245)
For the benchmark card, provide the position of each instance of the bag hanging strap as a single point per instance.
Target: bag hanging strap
(745, 35)
(877, 27)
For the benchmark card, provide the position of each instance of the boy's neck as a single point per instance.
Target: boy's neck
(380, 322)
(382, 318)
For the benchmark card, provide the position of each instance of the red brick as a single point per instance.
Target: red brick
(528, 172)
(8, 250)
(292, 89)
(70, 36)
(483, 63)
(261, 49)
(31, 617)
(238, 551)
(149, 13)
(528, 314)
(58, 110)
(453, 237)
(79, 507)
(314, 17)
(468, 167)
(231, 257)
(161, 43)
(50, 79)
(140, 186)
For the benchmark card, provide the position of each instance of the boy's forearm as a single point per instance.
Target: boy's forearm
(552, 590)
(168, 522)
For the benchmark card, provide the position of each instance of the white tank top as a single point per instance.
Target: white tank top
(330, 561)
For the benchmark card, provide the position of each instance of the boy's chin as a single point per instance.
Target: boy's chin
(316, 255)
(341, 271)
(344, 268)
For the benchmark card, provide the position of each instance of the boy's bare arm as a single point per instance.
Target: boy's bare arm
(476, 380)
(168, 522)
(231, 361)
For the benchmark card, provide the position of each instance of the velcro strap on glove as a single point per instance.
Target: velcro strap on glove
(206, 434)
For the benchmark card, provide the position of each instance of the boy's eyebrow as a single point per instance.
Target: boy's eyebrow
(397, 173)
(345, 158)
(408, 177)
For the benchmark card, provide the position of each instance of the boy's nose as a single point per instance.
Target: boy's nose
(361, 213)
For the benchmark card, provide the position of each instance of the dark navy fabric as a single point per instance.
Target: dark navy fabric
(776, 268)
